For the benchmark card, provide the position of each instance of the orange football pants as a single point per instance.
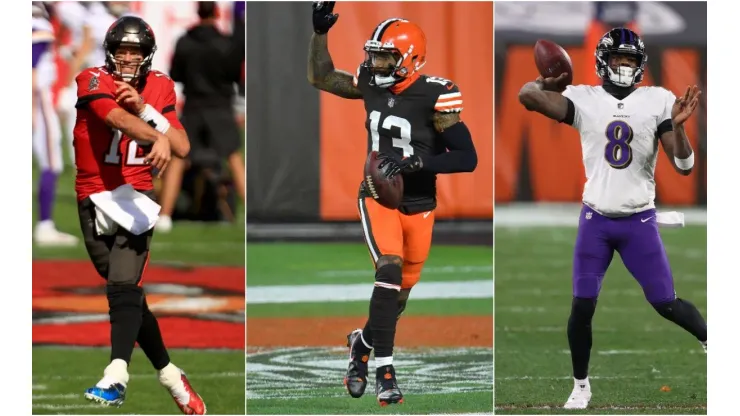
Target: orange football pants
(389, 232)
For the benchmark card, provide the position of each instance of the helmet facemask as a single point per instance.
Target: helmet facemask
(623, 73)
(129, 61)
(384, 64)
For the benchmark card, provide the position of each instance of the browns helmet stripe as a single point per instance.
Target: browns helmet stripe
(381, 28)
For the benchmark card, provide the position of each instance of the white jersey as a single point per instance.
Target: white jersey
(73, 15)
(43, 33)
(620, 145)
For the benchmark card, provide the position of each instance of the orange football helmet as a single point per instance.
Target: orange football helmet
(396, 50)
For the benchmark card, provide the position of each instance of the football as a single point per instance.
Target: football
(552, 60)
(387, 192)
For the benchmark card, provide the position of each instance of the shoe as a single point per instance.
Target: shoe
(386, 387)
(45, 234)
(111, 396)
(704, 345)
(356, 378)
(182, 392)
(580, 396)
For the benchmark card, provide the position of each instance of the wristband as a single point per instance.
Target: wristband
(685, 164)
(155, 119)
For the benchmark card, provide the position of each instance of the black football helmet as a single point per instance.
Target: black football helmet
(130, 31)
(620, 41)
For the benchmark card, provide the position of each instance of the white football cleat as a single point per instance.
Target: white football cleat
(704, 345)
(580, 396)
(46, 234)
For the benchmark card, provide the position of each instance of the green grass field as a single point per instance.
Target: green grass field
(301, 372)
(61, 373)
(635, 351)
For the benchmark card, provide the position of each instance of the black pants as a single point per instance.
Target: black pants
(212, 132)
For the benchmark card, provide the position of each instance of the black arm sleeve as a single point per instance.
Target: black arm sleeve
(571, 114)
(460, 157)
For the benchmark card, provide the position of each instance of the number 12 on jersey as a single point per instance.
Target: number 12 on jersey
(113, 156)
(403, 142)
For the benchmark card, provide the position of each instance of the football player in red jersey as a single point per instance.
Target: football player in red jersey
(127, 125)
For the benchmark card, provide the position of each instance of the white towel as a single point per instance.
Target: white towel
(670, 219)
(124, 207)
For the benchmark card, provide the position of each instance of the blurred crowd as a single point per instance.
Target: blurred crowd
(201, 45)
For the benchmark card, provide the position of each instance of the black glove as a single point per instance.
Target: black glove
(388, 165)
(411, 164)
(323, 18)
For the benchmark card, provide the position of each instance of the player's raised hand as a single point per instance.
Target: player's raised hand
(323, 16)
(128, 98)
(552, 83)
(160, 155)
(685, 105)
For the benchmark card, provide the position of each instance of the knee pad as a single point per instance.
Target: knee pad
(668, 309)
(389, 276)
(583, 309)
(124, 296)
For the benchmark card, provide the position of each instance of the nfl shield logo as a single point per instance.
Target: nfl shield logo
(391, 102)
(620, 106)
(589, 215)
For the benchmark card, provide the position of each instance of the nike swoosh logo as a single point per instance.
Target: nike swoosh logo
(95, 74)
(449, 87)
(646, 219)
(427, 214)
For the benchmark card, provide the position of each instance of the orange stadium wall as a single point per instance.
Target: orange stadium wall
(460, 48)
(540, 160)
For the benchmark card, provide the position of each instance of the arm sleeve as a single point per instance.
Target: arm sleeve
(94, 94)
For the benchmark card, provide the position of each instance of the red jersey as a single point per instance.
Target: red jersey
(107, 158)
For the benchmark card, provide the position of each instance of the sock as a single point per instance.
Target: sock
(171, 378)
(582, 384)
(580, 335)
(125, 310)
(383, 361)
(116, 372)
(364, 344)
(684, 314)
(47, 191)
(384, 309)
(150, 339)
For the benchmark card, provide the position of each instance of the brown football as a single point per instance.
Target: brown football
(387, 192)
(552, 60)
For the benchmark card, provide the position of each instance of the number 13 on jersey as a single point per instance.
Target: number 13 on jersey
(403, 125)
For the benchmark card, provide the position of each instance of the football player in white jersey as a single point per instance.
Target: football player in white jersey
(47, 138)
(620, 127)
(87, 23)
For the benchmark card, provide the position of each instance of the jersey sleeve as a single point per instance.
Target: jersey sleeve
(575, 94)
(41, 40)
(356, 77)
(169, 109)
(94, 94)
(669, 100)
(449, 98)
(665, 121)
